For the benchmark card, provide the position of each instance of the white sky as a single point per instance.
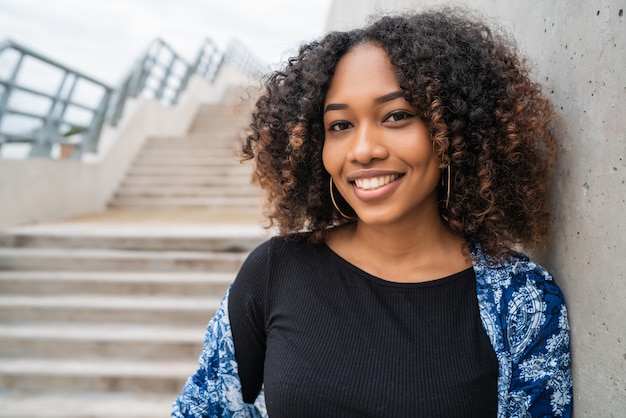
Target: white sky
(102, 38)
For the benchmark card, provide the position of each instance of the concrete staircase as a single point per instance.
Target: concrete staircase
(104, 315)
(199, 170)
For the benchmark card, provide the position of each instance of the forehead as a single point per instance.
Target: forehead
(365, 70)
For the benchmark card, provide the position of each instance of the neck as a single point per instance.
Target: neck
(396, 242)
(424, 249)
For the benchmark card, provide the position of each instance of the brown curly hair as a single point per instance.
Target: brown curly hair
(488, 121)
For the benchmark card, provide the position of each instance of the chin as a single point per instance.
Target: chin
(376, 219)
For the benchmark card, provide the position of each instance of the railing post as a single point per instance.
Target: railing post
(49, 132)
(4, 100)
(183, 84)
(218, 68)
(120, 100)
(147, 65)
(139, 78)
(166, 76)
(68, 96)
(90, 141)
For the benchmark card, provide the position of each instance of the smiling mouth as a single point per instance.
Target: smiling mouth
(372, 183)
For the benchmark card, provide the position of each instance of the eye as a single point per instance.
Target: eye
(398, 116)
(339, 125)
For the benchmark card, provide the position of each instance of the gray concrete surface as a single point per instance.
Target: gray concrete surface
(579, 51)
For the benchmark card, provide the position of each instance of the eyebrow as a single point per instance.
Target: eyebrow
(389, 97)
(382, 99)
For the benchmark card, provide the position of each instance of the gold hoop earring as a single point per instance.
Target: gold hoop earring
(332, 197)
(448, 192)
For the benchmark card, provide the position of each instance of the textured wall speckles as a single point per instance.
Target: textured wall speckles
(578, 49)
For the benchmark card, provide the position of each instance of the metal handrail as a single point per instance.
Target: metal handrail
(240, 57)
(54, 121)
(160, 73)
(165, 87)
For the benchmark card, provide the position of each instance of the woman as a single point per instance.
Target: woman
(402, 163)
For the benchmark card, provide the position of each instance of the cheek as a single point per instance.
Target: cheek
(418, 152)
(329, 158)
(414, 144)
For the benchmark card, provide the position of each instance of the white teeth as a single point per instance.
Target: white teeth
(375, 182)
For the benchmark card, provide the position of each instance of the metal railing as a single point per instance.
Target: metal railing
(240, 57)
(163, 74)
(54, 110)
(43, 114)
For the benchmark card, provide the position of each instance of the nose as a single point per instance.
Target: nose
(367, 145)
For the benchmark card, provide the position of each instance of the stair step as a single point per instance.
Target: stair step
(216, 173)
(188, 191)
(208, 202)
(189, 180)
(212, 131)
(231, 109)
(128, 309)
(219, 117)
(70, 259)
(216, 119)
(223, 238)
(108, 340)
(156, 376)
(215, 141)
(221, 164)
(187, 160)
(113, 283)
(199, 148)
(192, 159)
(218, 135)
(205, 170)
(209, 125)
(176, 150)
(84, 405)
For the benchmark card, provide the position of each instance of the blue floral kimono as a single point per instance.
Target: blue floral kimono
(522, 310)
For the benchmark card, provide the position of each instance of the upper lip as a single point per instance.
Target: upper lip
(370, 173)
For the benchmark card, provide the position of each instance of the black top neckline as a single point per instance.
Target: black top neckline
(380, 281)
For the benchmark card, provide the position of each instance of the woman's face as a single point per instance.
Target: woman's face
(376, 148)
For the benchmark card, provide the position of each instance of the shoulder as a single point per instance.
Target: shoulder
(277, 264)
(524, 313)
(277, 245)
(513, 275)
(523, 295)
(276, 250)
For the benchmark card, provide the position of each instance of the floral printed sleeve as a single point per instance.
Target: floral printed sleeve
(215, 389)
(524, 313)
(538, 334)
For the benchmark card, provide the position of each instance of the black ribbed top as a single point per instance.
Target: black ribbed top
(330, 340)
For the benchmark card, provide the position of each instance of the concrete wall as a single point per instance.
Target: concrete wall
(39, 190)
(579, 51)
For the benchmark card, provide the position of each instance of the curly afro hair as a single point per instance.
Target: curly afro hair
(488, 121)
